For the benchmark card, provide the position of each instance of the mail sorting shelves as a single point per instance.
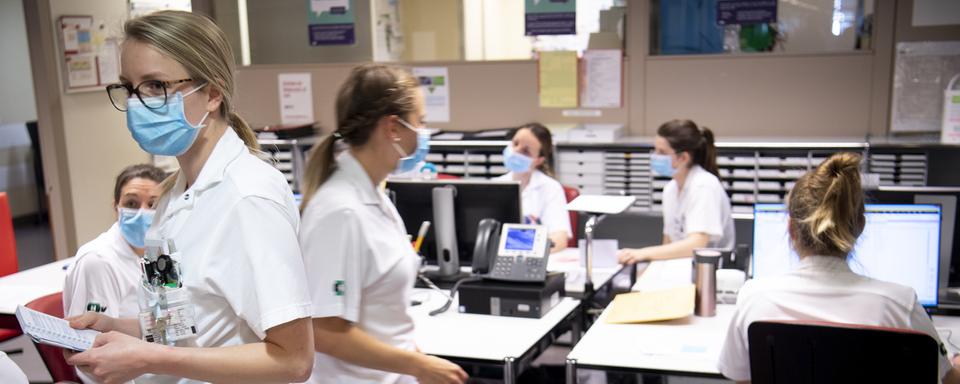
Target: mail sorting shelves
(468, 159)
(751, 171)
(289, 157)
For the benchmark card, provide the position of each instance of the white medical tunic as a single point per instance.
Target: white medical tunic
(701, 206)
(103, 277)
(236, 231)
(361, 268)
(10, 373)
(544, 198)
(822, 288)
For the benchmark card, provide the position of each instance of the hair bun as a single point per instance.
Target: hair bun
(843, 164)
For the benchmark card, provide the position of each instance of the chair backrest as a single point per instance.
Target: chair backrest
(8, 244)
(793, 352)
(572, 193)
(444, 176)
(53, 356)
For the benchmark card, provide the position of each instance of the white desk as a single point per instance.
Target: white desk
(511, 341)
(689, 346)
(23, 287)
(949, 329)
(568, 262)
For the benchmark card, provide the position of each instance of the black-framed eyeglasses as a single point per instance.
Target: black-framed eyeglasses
(152, 93)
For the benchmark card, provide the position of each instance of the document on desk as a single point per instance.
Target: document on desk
(658, 305)
(604, 253)
(664, 274)
(50, 330)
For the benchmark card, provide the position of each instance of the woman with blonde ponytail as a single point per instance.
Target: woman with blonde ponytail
(359, 261)
(826, 217)
(226, 222)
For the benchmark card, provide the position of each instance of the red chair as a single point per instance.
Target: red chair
(444, 176)
(572, 193)
(53, 356)
(8, 254)
(8, 244)
(798, 352)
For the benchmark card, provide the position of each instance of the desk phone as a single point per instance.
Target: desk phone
(522, 254)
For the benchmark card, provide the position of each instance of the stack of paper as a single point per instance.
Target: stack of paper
(46, 329)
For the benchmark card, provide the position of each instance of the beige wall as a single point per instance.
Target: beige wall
(279, 34)
(84, 140)
(432, 30)
(762, 95)
(493, 94)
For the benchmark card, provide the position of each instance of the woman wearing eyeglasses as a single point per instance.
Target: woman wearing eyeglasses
(229, 215)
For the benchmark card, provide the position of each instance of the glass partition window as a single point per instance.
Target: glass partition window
(731, 26)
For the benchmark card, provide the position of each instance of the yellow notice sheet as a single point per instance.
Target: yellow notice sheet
(558, 79)
(664, 304)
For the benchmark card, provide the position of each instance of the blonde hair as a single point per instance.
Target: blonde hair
(198, 45)
(371, 92)
(826, 207)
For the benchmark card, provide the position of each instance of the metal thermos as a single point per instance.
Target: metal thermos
(705, 278)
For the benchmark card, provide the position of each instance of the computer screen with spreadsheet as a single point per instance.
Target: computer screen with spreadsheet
(900, 243)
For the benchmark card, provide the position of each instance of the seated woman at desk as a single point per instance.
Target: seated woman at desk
(105, 274)
(529, 158)
(360, 264)
(696, 208)
(826, 217)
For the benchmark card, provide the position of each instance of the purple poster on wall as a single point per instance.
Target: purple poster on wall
(734, 12)
(331, 22)
(550, 17)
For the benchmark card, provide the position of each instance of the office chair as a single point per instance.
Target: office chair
(8, 256)
(799, 352)
(571, 193)
(8, 243)
(52, 356)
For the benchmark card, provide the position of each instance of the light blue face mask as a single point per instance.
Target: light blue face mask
(662, 165)
(409, 162)
(163, 131)
(515, 162)
(134, 224)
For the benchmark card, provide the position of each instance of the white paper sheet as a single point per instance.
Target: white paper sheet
(296, 98)
(435, 83)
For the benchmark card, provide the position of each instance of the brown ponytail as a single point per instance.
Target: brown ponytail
(371, 92)
(686, 136)
(826, 207)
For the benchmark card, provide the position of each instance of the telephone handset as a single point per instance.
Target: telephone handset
(485, 248)
(522, 254)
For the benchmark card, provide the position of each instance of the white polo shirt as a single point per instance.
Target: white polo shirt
(361, 268)
(822, 288)
(544, 198)
(104, 277)
(10, 373)
(236, 230)
(701, 206)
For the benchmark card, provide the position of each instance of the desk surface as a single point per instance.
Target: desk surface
(568, 262)
(481, 337)
(23, 287)
(691, 344)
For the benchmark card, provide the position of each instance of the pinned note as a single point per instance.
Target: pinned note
(558, 79)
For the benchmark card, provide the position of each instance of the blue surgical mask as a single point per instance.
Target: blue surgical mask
(662, 165)
(134, 224)
(515, 162)
(163, 131)
(409, 162)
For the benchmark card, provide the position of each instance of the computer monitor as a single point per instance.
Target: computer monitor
(473, 201)
(947, 198)
(900, 244)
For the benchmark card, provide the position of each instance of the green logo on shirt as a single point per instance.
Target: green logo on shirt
(96, 307)
(338, 287)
